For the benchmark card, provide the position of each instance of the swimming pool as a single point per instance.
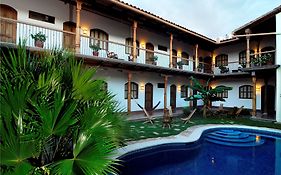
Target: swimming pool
(220, 151)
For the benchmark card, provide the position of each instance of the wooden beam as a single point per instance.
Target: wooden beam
(135, 25)
(171, 51)
(77, 36)
(248, 31)
(254, 99)
(196, 58)
(129, 93)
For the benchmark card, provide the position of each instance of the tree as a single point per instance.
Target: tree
(55, 118)
(205, 93)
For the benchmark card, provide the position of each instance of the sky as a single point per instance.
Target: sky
(212, 18)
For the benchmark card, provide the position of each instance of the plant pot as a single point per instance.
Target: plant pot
(39, 43)
(180, 67)
(95, 53)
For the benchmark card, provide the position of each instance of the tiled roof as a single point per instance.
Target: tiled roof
(167, 21)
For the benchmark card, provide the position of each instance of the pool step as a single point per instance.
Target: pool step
(234, 138)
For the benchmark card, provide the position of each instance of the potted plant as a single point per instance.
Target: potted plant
(223, 69)
(180, 64)
(243, 64)
(266, 59)
(255, 62)
(154, 59)
(200, 67)
(39, 39)
(95, 48)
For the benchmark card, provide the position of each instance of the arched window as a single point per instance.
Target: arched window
(269, 48)
(221, 60)
(184, 91)
(149, 55)
(246, 92)
(134, 90)
(222, 94)
(185, 57)
(101, 38)
(242, 57)
(8, 30)
(174, 58)
(129, 46)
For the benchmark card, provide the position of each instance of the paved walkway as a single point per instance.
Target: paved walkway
(156, 114)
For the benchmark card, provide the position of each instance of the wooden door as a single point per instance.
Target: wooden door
(148, 97)
(267, 103)
(69, 39)
(208, 64)
(8, 32)
(173, 97)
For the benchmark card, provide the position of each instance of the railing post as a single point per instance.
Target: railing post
(196, 58)
(171, 52)
(248, 31)
(254, 102)
(77, 36)
(135, 25)
(129, 93)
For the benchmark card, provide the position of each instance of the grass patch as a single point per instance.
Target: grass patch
(147, 130)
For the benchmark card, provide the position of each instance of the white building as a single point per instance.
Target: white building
(153, 53)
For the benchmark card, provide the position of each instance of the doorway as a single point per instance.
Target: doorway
(267, 103)
(148, 96)
(69, 39)
(173, 97)
(8, 32)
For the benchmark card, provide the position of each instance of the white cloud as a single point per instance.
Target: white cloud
(213, 18)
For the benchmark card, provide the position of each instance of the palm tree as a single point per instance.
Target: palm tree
(205, 93)
(55, 118)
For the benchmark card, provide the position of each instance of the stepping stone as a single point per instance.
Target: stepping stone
(176, 125)
(142, 127)
(141, 132)
(142, 136)
(177, 129)
(166, 133)
(132, 126)
(156, 133)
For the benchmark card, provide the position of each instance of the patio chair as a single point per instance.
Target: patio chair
(239, 111)
(148, 117)
(187, 119)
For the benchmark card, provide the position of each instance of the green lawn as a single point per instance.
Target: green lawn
(140, 130)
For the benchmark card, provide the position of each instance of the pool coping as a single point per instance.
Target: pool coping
(191, 134)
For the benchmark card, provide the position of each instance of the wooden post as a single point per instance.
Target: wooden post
(248, 31)
(165, 92)
(129, 93)
(77, 36)
(254, 102)
(190, 94)
(265, 110)
(171, 51)
(213, 63)
(196, 58)
(135, 25)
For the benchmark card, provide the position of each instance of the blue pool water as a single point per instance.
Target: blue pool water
(217, 152)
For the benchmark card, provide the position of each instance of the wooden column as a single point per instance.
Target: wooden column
(190, 94)
(129, 93)
(165, 92)
(77, 36)
(171, 51)
(254, 99)
(135, 25)
(265, 110)
(196, 58)
(213, 63)
(248, 31)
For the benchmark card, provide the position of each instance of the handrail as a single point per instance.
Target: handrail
(28, 23)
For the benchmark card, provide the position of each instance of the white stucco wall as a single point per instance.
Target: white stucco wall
(116, 80)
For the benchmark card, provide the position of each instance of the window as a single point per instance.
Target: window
(134, 90)
(222, 94)
(41, 17)
(185, 57)
(184, 91)
(242, 57)
(160, 85)
(101, 38)
(221, 60)
(246, 92)
(162, 48)
(129, 46)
